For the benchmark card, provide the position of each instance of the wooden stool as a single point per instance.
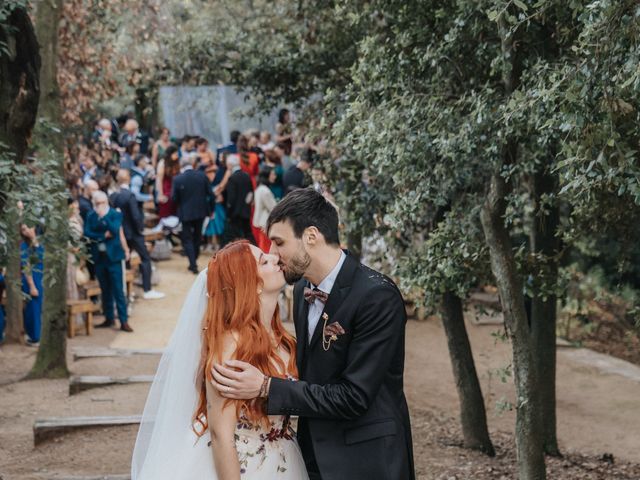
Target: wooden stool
(79, 306)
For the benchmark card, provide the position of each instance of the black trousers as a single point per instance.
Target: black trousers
(191, 237)
(237, 229)
(137, 244)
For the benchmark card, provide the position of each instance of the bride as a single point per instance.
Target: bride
(188, 431)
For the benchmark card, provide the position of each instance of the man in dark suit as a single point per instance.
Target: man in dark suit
(239, 196)
(104, 228)
(296, 176)
(125, 201)
(192, 194)
(350, 329)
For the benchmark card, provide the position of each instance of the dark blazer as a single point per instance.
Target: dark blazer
(95, 229)
(353, 413)
(85, 206)
(293, 179)
(132, 217)
(191, 192)
(238, 187)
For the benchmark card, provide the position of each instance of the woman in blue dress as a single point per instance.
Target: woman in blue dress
(32, 255)
(215, 227)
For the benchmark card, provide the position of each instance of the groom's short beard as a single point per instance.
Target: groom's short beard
(295, 269)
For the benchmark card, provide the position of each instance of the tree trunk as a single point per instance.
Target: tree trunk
(19, 94)
(531, 465)
(14, 320)
(51, 361)
(473, 417)
(545, 246)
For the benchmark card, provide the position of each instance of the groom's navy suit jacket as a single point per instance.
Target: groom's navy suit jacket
(354, 420)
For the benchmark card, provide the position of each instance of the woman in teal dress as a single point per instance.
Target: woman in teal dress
(31, 256)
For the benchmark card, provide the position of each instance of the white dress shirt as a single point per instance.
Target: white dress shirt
(316, 308)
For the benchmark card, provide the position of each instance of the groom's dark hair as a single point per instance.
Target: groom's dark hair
(305, 208)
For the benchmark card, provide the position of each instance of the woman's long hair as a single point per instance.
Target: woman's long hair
(234, 308)
(171, 166)
(243, 149)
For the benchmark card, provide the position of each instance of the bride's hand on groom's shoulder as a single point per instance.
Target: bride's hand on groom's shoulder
(237, 380)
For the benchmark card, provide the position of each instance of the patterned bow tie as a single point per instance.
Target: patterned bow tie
(311, 295)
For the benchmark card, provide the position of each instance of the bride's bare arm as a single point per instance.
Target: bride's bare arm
(222, 425)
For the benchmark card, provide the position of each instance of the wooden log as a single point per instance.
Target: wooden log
(95, 477)
(48, 428)
(80, 383)
(99, 352)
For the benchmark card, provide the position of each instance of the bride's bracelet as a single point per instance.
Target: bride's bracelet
(263, 388)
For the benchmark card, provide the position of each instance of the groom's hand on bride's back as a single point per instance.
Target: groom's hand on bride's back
(239, 380)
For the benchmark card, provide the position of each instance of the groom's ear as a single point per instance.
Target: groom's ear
(311, 235)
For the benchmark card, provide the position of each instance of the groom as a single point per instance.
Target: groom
(350, 329)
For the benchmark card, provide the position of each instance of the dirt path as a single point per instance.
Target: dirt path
(597, 408)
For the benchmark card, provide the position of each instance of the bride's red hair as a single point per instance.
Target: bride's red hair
(234, 308)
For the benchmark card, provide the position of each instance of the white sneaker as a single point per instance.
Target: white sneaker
(153, 295)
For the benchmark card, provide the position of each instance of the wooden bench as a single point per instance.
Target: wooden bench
(91, 289)
(96, 477)
(150, 236)
(47, 428)
(74, 307)
(80, 383)
(100, 352)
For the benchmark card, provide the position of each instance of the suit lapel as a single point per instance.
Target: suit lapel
(338, 293)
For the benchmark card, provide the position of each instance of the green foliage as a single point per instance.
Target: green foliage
(33, 192)
(411, 95)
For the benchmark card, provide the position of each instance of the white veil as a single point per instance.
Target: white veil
(166, 447)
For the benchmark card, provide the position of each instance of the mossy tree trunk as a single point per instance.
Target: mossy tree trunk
(51, 361)
(19, 96)
(473, 417)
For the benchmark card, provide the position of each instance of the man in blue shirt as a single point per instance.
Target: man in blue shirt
(108, 250)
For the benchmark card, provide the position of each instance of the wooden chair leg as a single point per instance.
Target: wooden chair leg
(71, 330)
(89, 323)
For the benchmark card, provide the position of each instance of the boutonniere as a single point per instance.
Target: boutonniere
(330, 332)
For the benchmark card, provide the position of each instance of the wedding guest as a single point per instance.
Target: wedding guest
(264, 201)
(215, 227)
(284, 131)
(265, 141)
(253, 137)
(249, 161)
(168, 168)
(295, 177)
(132, 133)
(273, 160)
(73, 261)
(133, 225)
(88, 167)
(239, 190)
(108, 250)
(131, 151)
(285, 158)
(192, 195)
(159, 147)
(141, 177)
(221, 158)
(32, 258)
(84, 200)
